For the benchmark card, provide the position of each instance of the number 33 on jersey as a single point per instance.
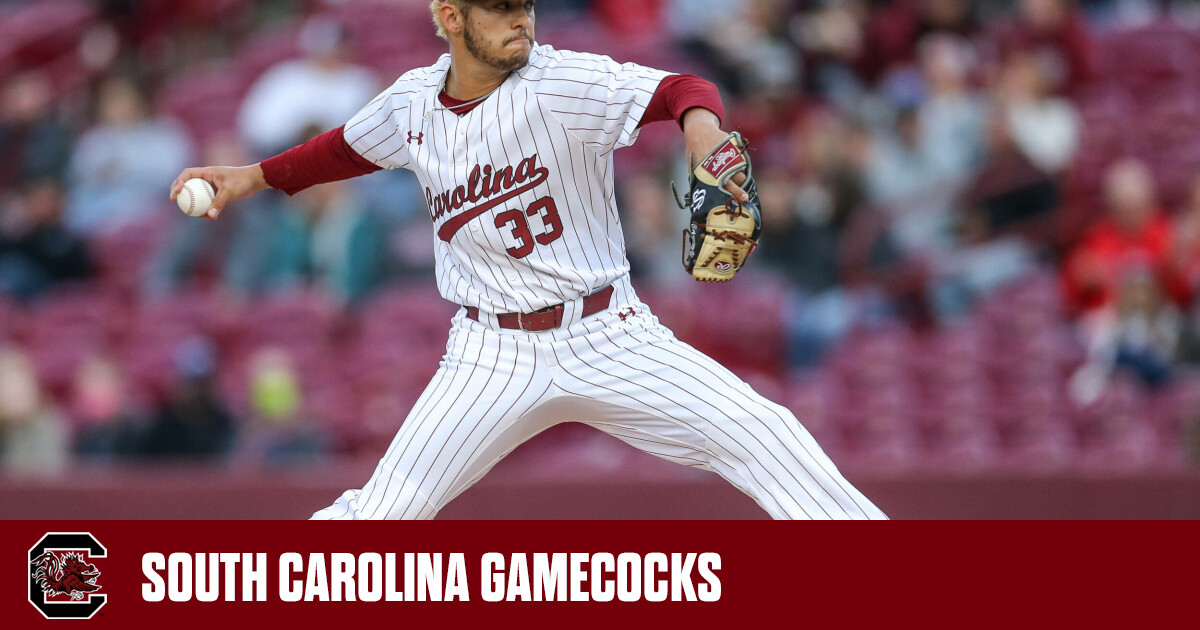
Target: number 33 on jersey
(492, 187)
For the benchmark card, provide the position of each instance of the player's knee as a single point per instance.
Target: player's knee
(785, 419)
(772, 428)
(774, 420)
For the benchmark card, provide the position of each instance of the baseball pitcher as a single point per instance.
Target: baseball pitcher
(513, 143)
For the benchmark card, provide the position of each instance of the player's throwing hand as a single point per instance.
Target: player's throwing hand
(231, 183)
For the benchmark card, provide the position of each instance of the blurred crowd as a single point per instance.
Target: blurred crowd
(915, 158)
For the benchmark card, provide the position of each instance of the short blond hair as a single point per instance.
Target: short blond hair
(435, 8)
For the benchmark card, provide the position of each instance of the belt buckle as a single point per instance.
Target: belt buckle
(557, 309)
(521, 321)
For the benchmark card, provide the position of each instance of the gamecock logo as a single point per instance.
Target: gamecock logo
(66, 574)
(63, 579)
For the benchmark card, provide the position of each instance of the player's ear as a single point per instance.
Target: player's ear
(453, 19)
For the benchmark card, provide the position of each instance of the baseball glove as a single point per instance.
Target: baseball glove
(723, 231)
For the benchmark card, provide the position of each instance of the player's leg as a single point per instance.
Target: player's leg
(668, 399)
(473, 412)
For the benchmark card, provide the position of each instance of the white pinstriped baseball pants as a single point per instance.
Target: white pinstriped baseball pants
(629, 377)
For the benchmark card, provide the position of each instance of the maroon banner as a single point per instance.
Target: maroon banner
(758, 573)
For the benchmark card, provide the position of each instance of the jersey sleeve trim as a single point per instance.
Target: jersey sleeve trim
(679, 93)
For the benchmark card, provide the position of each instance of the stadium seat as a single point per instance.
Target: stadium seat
(36, 33)
(206, 99)
(1141, 55)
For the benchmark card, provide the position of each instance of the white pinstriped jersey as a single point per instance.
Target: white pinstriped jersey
(520, 189)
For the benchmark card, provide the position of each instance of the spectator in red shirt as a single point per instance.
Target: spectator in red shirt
(1135, 238)
(1122, 279)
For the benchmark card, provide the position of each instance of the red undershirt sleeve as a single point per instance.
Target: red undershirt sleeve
(677, 94)
(326, 158)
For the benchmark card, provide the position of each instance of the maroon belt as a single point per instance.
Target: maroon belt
(549, 317)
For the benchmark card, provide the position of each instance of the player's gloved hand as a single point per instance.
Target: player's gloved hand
(229, 182)
(726, 222)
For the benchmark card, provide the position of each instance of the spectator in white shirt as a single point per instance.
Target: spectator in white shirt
(322, 90)
(119, 166)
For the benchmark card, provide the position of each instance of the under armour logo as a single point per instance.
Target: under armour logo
(420, 137)
(628, 313)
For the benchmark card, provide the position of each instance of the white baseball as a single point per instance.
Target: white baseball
(196, 197)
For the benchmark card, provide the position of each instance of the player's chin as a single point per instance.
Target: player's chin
(521, 47)
(515, 62)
